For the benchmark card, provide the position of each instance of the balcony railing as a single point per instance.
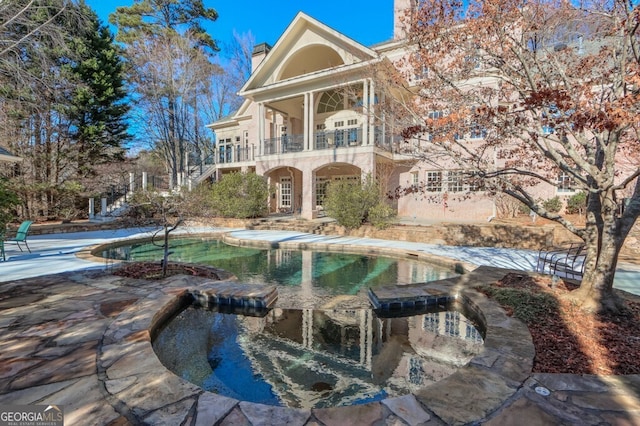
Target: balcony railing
(322, 140)
(234, 154)
(284, 144)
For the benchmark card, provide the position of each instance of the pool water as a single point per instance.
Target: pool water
(305, 278)
(304, 358)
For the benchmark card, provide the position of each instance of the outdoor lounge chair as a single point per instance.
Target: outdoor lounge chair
(21, 235)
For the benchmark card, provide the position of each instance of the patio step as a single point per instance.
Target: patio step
(408, 297)
(286, 225)
(235, 294)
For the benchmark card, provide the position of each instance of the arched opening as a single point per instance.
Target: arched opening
(310, 59)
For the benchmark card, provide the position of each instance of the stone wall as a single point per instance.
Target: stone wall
(479, 235)
(482, 234)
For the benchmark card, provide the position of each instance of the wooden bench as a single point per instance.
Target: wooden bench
(564, 262)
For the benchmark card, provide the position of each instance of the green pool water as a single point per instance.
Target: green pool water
(302, 275)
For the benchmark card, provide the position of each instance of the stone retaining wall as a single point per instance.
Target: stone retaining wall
(478, 235)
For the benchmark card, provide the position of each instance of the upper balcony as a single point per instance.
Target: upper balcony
(323, 141)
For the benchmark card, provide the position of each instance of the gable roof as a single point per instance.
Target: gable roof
(306, 36)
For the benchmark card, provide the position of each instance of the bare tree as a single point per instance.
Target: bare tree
(520, 94)
(169, 73)
(235, 70)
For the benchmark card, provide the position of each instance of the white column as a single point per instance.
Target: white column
(308, 194)
(312, 126)
(132, 181)
(92, 208)
(372, 110)
(365, 112)
(261, 124)
(144, 181)
(103, 207)
(306, 124)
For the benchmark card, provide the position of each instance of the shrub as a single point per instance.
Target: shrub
(344, 202)
(144, 205)
(553, 205)
(577, 203)
(353, 203)
(198, 202)
(381, 214)
(240, 195)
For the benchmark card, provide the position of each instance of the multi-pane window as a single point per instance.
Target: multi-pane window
(421, 73)
(321, 190)
(455, 181)
(414, 178)
(474, 184)
(431, 322)
(330, 101)
(434, 115)
(452, 181)
(452, 323)
(566, 183)
(477, 132)
(434, 181)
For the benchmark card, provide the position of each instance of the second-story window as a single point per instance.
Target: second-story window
(330, 101)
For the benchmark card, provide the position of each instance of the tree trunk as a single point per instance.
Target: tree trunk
(604, 243)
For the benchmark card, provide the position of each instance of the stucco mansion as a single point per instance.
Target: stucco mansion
(309, 117)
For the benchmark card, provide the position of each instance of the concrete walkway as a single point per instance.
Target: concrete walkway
(80, 339)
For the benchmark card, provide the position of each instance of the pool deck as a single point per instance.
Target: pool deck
(75, 336)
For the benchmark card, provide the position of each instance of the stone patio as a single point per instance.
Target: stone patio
(82, 340)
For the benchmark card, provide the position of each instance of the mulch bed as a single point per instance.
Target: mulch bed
(153, 270)
(569, 339)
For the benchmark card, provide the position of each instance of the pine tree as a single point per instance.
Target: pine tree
(98, 109)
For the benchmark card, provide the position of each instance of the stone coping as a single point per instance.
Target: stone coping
(142, 389)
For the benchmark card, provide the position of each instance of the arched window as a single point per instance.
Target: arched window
(330, 101)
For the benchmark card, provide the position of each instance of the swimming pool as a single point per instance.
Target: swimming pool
(305, 278)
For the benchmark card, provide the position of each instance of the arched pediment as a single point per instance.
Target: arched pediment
(310, 59)
(306, 47)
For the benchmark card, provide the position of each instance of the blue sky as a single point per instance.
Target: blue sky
(366, 21)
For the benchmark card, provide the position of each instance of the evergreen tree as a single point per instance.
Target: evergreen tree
(98, 110)
(170, 54)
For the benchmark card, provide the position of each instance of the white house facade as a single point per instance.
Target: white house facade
(309, 117)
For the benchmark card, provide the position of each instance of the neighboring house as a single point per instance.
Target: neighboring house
(7, 157)
(309, 117)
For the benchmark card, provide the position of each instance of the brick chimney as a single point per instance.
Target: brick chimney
(260, 51)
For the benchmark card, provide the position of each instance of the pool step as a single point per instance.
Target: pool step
(408, 297)
(235, 294)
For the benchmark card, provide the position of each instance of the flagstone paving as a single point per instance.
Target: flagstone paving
(81, 339)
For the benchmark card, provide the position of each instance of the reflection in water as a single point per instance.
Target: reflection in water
(305, 278)
(311, 358)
